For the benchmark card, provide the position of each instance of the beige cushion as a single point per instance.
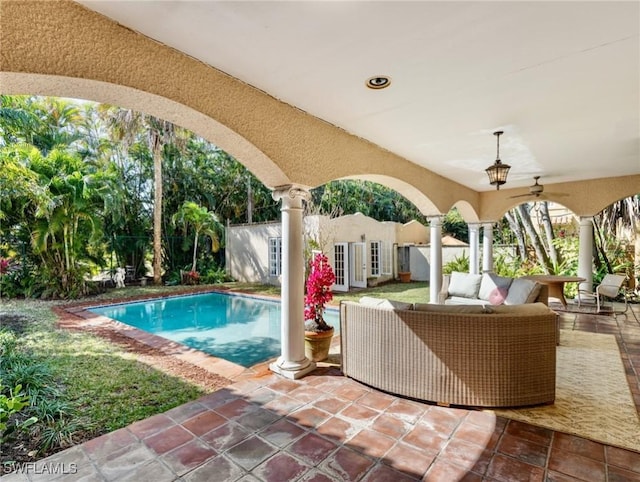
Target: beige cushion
(458, 300)
(530, 309)
(522, 291)
(385, 304)
(464, 284)
(469, 309)
(494, 288)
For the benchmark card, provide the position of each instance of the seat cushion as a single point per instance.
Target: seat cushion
(494, 288)
(385, 304)
(464, 285)
(459, 300)
(466, 309)
(527, 309)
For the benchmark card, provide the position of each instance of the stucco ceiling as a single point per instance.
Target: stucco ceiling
(562, 79)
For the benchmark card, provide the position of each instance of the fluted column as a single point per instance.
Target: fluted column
(292, 362)
(487, 247)
(435, 267)
(585, 253)
(474, 247)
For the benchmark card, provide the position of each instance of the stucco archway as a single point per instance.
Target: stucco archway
(98, 59)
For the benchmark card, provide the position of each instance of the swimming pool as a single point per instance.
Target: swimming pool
(242, 329)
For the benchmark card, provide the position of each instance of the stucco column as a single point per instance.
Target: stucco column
(474, 247)
(435, 266)
(585, 253)
(487, 247)
(292, 362)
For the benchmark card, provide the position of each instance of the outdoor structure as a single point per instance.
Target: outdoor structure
(361, 250)
(297, 100)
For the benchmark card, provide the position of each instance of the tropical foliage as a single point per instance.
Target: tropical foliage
(202, 222)
(90, 187)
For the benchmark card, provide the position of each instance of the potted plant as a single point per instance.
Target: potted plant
(318, 333)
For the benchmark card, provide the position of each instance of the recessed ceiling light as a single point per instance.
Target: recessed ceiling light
(378, 82)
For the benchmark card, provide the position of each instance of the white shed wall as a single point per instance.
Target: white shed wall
(247, 252)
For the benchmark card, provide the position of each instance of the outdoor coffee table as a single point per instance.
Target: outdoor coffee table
(556, 284)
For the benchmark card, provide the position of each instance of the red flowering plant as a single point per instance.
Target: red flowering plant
(319, 283)
(4, 265)
(192, 278)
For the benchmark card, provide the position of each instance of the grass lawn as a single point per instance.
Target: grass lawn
(414, 292)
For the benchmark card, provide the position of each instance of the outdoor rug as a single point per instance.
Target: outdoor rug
(593, 399)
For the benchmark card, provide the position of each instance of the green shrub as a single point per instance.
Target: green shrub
(459, 263)
(214, 276)
(8, 341)
(35, 377)
(55, 433)
(50, 409)
(46, 414)
(21, 283)
(11, 404)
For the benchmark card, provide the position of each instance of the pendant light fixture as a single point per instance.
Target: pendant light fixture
(498, 172)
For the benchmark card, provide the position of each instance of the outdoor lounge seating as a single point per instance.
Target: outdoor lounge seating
(503, 356)
(611, 287)
(490, 289)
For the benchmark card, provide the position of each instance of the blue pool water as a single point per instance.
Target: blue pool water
(241, 329)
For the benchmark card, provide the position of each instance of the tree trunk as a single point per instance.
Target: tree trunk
(636, 264)
(598, 241)
(517, 231)
(195, 251)
(548, 230)
(249, 202)
(157, 213)
(541, 254)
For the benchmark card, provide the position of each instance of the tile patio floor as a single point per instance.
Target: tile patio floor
(327, 427)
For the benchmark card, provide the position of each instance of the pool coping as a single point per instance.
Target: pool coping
(79, 316)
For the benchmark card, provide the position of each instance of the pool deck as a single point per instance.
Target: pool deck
(327, 427)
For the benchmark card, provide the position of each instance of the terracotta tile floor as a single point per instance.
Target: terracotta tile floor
(326, 427)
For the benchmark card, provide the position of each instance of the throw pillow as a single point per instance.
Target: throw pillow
(464, 284)
(498, 295)
(520, 291)
(494, 288)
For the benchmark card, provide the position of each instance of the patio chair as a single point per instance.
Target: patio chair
(610, 288)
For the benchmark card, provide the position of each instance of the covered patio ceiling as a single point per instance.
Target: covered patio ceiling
(561, 79)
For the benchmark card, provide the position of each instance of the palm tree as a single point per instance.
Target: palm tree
(67, 222)
(622, 220)
(202, 221)
(127, 127)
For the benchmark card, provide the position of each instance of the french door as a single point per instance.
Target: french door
(358, 265)
(341, 266)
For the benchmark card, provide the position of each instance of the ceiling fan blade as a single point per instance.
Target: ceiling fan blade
(523, 195)
(557, 194)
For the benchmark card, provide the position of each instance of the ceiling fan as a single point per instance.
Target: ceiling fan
(537, 190)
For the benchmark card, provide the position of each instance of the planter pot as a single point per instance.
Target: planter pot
(316, 345)
(405, 276)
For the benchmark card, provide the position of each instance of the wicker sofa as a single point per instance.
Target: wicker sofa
(463, 355)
